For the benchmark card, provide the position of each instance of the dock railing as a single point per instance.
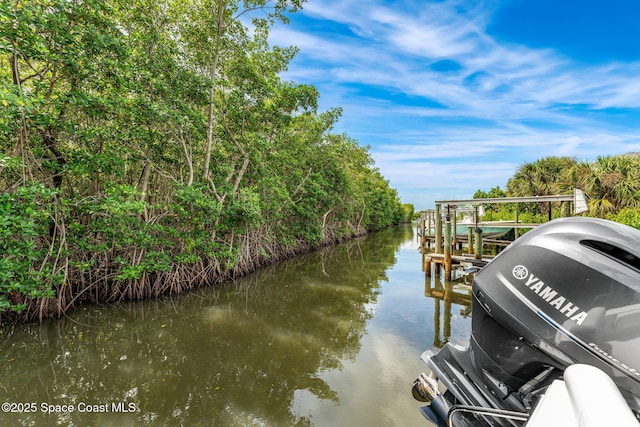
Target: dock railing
(443, 218)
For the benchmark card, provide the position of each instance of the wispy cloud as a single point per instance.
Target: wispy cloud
(412, 75)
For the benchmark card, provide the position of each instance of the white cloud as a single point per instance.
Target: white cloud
(503, 102)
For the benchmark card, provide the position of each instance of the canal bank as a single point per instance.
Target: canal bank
(323, 339)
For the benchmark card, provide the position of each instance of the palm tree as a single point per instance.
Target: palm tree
(611, 183)
(547, 176)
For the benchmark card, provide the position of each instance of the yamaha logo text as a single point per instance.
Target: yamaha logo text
(549, 295)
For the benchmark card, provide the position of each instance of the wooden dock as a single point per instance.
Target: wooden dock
(439, 261)
(440, 227)
(458, 259)
(465, 239)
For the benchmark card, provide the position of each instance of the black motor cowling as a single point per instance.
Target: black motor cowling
(566, 292)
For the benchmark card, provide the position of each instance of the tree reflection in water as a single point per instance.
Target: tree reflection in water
(231, 356)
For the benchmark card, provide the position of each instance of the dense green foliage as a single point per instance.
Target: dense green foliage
(148, 147)
(611, 185)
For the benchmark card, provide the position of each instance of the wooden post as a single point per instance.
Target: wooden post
(478, 243)
(429, 226)
(478, 237)
(423, 237)
(427, 266)
(455, 230)
(447, 246)
(469, 239)
(438, 229)
(516, 231)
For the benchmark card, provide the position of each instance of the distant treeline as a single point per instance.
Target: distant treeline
(611, 185)
(148, 147)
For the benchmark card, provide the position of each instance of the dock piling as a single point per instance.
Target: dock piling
(438, 230)
(447, 246)
(478, 243)
(455, 228)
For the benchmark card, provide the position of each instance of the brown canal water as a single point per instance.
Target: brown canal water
(330, 338)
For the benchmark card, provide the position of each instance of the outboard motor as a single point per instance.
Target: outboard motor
(566, 292)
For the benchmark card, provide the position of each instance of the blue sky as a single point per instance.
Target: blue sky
(453, 95)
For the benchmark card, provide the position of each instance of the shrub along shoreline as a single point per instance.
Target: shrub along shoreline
(147, 148)
(58, 255)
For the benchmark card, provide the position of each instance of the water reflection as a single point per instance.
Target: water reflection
(445, 294)
(232, 356)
